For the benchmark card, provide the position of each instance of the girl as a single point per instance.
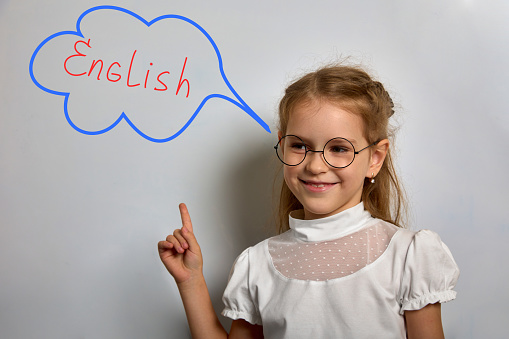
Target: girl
(342, 266)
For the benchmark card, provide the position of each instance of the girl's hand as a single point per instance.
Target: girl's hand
(180, 252)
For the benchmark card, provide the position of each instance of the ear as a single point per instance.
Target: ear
(279, 136)
(378, 155)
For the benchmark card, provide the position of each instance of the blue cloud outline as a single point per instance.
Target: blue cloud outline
(240, 103)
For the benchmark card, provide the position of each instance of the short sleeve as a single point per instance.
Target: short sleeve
(430, 273)
(237, 297)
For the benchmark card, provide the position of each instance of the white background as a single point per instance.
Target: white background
(80, 216)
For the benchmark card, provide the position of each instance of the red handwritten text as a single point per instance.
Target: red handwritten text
(98, 66)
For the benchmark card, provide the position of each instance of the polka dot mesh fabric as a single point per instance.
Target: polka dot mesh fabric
(330, 259)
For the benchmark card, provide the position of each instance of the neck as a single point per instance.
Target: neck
(329, 227)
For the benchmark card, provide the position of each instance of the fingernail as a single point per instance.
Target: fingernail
(184, 230)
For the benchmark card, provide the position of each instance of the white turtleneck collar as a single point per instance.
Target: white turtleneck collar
(332, 227)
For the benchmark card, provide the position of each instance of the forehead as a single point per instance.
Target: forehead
(322, 120)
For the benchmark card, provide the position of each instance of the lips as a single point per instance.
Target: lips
(317, 186)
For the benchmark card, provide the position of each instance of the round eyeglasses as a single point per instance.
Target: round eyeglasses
(337, 152)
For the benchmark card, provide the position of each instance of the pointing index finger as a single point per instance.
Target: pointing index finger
(186, 218)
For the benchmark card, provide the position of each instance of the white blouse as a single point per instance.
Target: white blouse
(344, 276)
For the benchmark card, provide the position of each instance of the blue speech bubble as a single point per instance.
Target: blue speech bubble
(238, 102)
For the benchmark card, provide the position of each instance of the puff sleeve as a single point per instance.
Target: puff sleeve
(237, 296)
(430, 273)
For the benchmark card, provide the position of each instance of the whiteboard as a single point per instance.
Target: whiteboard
(92, 168)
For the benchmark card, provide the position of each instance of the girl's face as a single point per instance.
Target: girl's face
(324, 190)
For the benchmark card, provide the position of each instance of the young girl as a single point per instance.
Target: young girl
(342, 266)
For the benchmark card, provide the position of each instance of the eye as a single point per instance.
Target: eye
(298, 147)
(339, 149)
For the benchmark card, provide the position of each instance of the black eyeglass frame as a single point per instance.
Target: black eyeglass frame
(323, 151)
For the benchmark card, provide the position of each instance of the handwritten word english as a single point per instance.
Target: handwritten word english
(115, 66)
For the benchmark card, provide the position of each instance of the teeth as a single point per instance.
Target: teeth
(320, 185)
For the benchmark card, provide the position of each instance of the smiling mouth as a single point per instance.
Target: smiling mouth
(316, 185)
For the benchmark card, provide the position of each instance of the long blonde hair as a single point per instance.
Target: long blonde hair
(354, 90)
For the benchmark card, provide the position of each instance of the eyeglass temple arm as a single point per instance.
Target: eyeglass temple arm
(373, 144)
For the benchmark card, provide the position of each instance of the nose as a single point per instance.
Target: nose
(315, 163)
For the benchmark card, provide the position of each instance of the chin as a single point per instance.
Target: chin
(320, 211)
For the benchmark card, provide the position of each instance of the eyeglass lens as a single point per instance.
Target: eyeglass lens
(337, 152)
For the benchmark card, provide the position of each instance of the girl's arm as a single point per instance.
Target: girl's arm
(181, 255)
(425, 323)
(242, 329)
(201, 317)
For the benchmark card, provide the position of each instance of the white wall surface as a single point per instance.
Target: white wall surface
(80, 215)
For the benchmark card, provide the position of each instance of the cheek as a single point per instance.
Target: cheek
(287, 174)
(361, 164)
(290, 174)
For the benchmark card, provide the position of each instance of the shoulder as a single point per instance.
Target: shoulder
(427, 248)
(422, 248)
(252, 254)
(257, 257)
(425, 242)
(415, 246)
(408, 238)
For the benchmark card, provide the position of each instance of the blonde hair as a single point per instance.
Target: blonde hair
(354, 90)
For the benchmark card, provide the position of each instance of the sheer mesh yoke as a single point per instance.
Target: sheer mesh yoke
(325, 260)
